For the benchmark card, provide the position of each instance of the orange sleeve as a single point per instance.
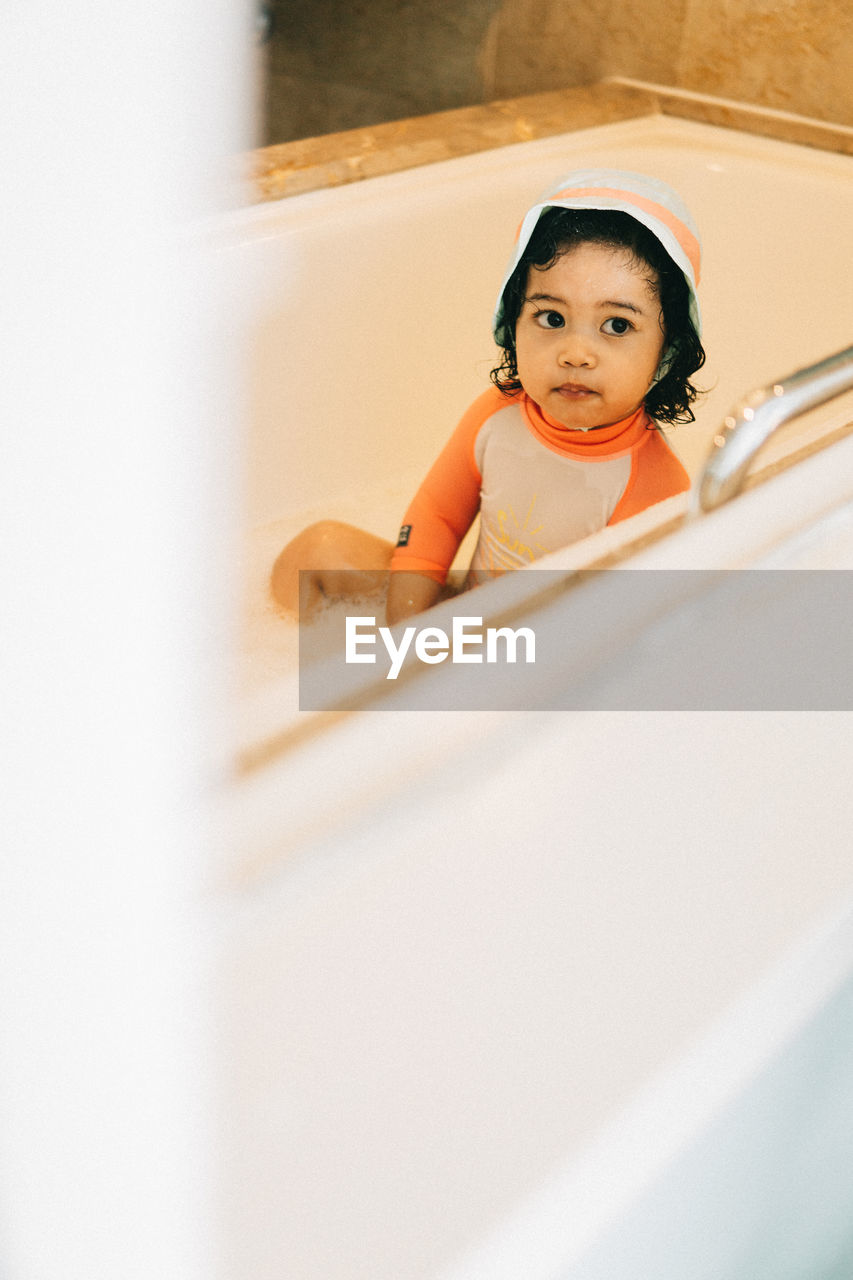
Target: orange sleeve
(656, 474)
(444, 507)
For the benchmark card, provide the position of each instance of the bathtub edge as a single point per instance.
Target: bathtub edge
(336, 159)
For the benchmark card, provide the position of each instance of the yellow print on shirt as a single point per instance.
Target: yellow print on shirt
(517, 535)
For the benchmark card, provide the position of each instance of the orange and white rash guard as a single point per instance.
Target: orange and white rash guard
(537, 485)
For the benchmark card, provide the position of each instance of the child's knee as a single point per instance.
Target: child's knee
(323, 537)
(333, 559)
(315, 544)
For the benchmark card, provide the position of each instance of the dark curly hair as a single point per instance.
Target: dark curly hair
(557, 232)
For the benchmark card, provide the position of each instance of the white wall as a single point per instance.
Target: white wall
(113, 631)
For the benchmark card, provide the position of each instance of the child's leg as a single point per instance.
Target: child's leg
(337, 560)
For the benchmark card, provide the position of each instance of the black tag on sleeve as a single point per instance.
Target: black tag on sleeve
(403, 537)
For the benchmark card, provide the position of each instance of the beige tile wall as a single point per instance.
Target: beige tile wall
(796, 55)
(533, 45)
(333, 66)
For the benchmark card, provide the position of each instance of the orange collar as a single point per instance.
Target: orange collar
(609, 442)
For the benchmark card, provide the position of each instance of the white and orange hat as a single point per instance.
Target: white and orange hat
(650, 201)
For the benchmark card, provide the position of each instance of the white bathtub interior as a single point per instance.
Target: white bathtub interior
(367, 312)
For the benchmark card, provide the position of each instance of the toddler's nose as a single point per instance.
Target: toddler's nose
(577, 350)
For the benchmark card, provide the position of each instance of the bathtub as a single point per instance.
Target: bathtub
(367, 326)
(524, 993)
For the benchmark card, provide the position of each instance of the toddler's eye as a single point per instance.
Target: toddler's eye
(617, 325)
(549, 319)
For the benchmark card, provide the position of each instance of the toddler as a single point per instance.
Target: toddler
(598, 324)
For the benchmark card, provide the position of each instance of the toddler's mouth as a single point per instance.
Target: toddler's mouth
(575, 391)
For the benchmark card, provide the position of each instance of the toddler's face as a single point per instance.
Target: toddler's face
(589, 336)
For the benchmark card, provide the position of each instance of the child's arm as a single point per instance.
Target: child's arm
(439, 516)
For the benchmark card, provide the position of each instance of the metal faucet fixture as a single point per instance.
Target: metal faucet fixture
(754, 419)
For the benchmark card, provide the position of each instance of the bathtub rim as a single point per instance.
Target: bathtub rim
(329, 160)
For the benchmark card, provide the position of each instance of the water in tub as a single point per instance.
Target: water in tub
(271, 637)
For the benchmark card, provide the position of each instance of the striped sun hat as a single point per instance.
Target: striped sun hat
(647, 199)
